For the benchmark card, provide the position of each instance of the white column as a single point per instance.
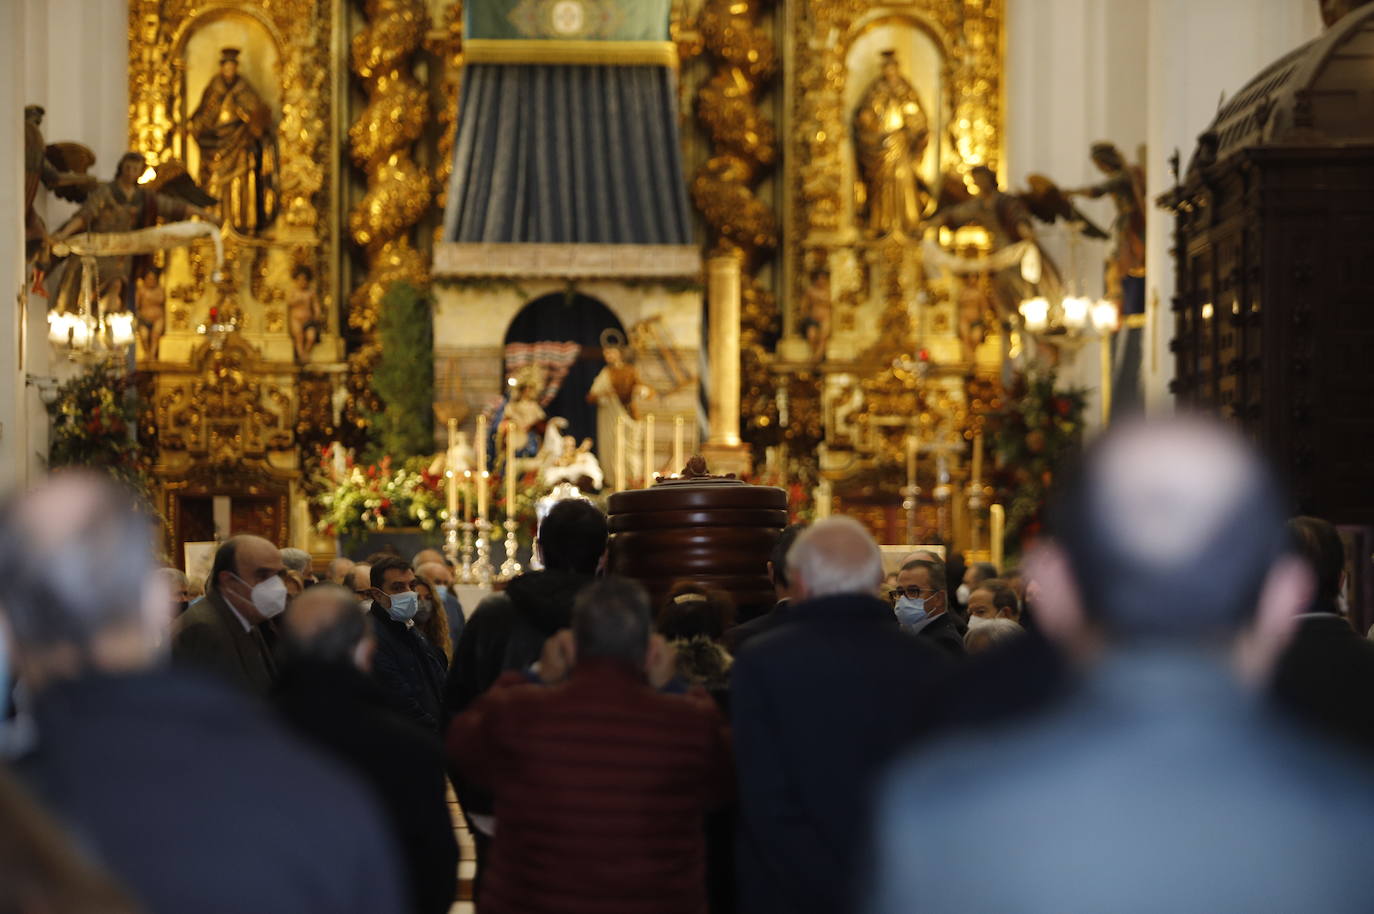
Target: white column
(1190, 66)
(14, 461)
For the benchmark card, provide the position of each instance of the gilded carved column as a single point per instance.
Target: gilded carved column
(398, 192)
(724, 189)
(723, 295)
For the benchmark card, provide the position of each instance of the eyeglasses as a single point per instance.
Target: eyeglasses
(913, 591)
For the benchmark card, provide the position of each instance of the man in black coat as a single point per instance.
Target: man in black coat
(187, 790)
(409, 673)
(921, 602)
(818, 706)
(1326, 675)
(327, 696)
(742, 634)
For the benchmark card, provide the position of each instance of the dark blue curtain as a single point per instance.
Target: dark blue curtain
(567, 154)
(577, 319)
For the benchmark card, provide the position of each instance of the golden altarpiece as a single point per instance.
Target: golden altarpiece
(854, 340)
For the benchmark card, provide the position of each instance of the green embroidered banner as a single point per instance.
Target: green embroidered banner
(567, 20)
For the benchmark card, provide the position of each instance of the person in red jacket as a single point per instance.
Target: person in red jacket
(601, 783)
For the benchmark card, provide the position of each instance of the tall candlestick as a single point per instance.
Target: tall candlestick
(510, 470)
(679, 459)
(911, 447)
(977, 476)
(620, 453)
(998, 516)
(467, 495)
(648, 450)
(482, 475)
(450, 472)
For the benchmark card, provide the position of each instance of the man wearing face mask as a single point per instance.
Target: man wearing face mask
(226, 633)
(405, 668)
(920, 601)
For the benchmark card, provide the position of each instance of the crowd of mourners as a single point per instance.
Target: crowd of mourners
(1167, 707)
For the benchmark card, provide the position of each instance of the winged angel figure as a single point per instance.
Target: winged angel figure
(1018, 264)
(138, 213)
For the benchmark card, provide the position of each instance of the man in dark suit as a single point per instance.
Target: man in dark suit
(227, 633)
(741, 634)
(410, 674)
(1326, 676)
(327, 696)
(818, 706)
(188, 791)
(921, 603)
(1161, 782)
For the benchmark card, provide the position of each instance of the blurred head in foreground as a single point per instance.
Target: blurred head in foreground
(107, 610)
(833, 557)
(1171, 533)
(324, 626)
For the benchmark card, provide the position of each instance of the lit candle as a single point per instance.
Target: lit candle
(467, 495)
(481, 479)
(679, 460)
(978, 459)
(998, 526)
(620, 453)
(510, 470)
(450, 472)
(911, 447)
(648, 450)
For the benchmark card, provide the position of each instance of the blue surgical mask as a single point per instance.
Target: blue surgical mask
(441, 591)
(404, 606)
(911, 611)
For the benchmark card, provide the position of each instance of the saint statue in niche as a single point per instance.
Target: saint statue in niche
(238, 151)
(890, 136)
(618, 391)
(1125, 184)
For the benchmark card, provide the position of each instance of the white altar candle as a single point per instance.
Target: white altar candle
(997, 530)
(912, 445)
(482, 475)
(648, 450)
(510, 470)
(620, 453)
(450, 473)
(679, 460)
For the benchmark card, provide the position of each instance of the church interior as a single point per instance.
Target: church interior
(367, 280)
(900, 258)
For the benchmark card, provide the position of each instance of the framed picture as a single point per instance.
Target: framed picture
(199, 557)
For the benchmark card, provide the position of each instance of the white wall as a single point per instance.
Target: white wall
(71, 57)
(1133, 72)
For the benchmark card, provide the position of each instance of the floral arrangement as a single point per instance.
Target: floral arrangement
(93, 423)
(1038, 430)
(354, 499)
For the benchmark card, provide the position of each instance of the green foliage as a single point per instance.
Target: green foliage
(1032, 438)
(404, 377)
(93, 423)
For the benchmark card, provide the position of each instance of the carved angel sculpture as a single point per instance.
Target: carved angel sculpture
(60, 167)
(123, 206)
(1009, 219)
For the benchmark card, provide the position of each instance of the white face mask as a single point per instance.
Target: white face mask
(977, 622)
(268, 597)
(962, 594)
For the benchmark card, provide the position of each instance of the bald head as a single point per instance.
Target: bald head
(76, 559)
(324, 625)
(339, 570)
(425, 556)
(436, 573)
(362, 580)
(1171, 528)
(835, 556)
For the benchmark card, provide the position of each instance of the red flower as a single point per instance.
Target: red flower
(1062, 406)
(385, 505)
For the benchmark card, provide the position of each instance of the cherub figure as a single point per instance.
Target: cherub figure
(303, 307)
(150, 303)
